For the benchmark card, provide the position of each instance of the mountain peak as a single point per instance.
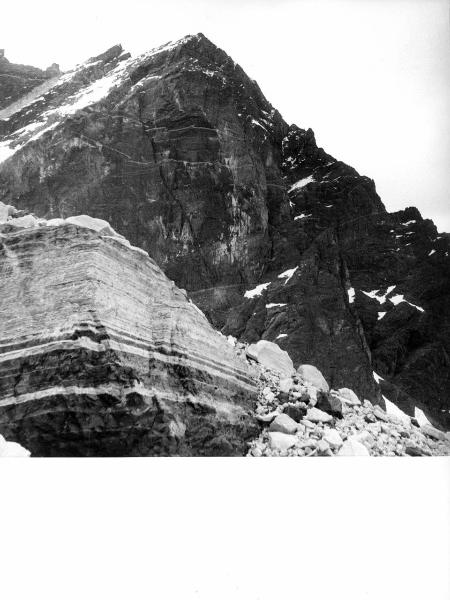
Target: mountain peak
(274, 238)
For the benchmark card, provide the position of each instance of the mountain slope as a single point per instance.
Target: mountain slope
(16, 81)
(272, 237)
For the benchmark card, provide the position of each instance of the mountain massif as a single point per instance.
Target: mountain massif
(270, 236)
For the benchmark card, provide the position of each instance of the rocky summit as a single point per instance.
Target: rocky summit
(127, 173)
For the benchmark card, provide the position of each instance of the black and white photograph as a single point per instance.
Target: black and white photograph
(224, 233)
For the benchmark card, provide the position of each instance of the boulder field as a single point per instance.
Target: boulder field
(299, 418)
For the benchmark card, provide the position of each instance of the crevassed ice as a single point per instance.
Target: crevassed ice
(257, 291)
(301, 183)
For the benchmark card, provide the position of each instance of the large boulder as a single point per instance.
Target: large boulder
(271, 356)
(281, 441)
(434, 433)
(329, 403)
(312, 375)
(348, 396)
(318, 416)
(333, 438)
(284, 424)
(352, 447)
(296, 411)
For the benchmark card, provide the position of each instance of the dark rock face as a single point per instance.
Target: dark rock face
(179, 150)
(18, 80)
(101, 355)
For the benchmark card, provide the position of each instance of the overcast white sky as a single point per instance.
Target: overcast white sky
(370, 77)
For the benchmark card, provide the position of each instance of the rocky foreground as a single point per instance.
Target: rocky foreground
(301, 416)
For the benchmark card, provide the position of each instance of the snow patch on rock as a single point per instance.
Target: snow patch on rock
(396, 412)
(398, 298)
(381, 298)
(301, 183)
(377, 377)
(287, 274)
(257, 291)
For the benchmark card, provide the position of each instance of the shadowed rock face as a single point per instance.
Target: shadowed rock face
(179, 150)
(18, 80)
(101, 355)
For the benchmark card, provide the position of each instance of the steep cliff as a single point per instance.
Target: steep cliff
(272, 237)
(101, 354)
(16, 81)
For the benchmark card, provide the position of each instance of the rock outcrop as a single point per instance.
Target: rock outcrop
(102, 355)
(271, 236)
(18, 80)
